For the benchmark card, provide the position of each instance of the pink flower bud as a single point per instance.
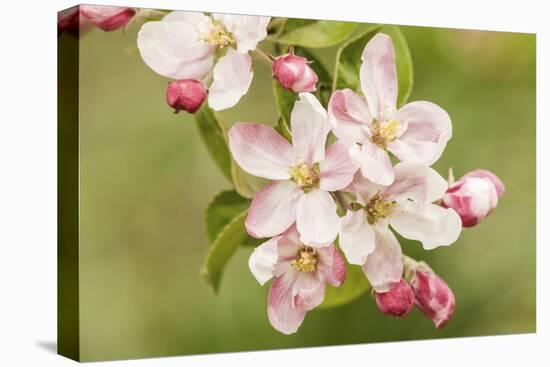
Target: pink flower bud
(186, 94)
(68, 20)
(433, 297)
(107, 18)
(474, 196)
(293, 73)
(398, 301)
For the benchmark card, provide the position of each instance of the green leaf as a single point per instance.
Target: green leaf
(213, 133)
(222, 209)
(324, 83)
(354, 286)
(285, 100)
(348, 60)
(403, 61)
(283, 128)
(314, 33)
(245, 184)
(224, 246)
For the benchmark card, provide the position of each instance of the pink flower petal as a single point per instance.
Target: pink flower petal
(283, 315)
(363, 189)
(379, 76)
(428, 131)
(331, 265)
(416, 182)
(263, 260)
(357, 239)
(260, 151)
(232, 77)
(374, 162)
(174, 49)
(384, 266)
(428, 223)
(337, 169)
(309, 291)
(316, 219)
(273, 209)
(483, 173)
(310, 128)
(349, 115)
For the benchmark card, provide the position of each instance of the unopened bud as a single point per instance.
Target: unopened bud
(474, 196)
(396, 302)
(294, 73)
(433, 297)
(186, 94)
(107, 18)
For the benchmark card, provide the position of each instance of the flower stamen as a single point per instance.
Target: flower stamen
(306, 261)
(385, 131)
(378, 207)
(219, 36)
(305, 176)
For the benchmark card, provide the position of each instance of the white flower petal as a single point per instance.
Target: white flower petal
(416, 182)
(174, 49)
(232, 78)
(316, 219)
(310, 127)
(428, 223)
(248, 30)
(263, 260)
(356, 237)
(374, 162)
(384, 266)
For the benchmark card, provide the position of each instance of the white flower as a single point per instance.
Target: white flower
(183, 45)
(407, 206)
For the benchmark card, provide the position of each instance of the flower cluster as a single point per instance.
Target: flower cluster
(311, 181)
(343, 179)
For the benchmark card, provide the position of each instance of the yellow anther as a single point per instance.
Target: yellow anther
(385, 131)
(219, 36)
(306, 261)
(379, 208)
(305, 176)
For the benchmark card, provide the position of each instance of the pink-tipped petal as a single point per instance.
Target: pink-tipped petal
(309, 291)
(428, 131)
(357, 239)
(483, 173)
(260, 151)
(263, 260)
(273, 209)
(350, 116)
(379, 75)
(331, 265)
(173, 47)
(316, 218)
(430, 224)
(337, 169)
(416, 182)
(363, 189)
(232, 78)
(107, 18)
(310, 128)
(384, 266)
(283, 315)
(374, 162)
(433, 297)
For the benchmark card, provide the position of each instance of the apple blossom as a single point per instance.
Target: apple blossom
(187, 95)
(398, 301)
(301, 274)
(417, 132)
(304, 174)
(107, 18)
(407, 206)
(474, 196)
(294, 73)
(433, 297)
(184, 45)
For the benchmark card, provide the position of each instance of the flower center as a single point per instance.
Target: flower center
(306, 261)
(385, 131)
(379, 208)
(219, 36)
(305, 176)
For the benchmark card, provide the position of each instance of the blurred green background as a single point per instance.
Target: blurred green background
(146, 179)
